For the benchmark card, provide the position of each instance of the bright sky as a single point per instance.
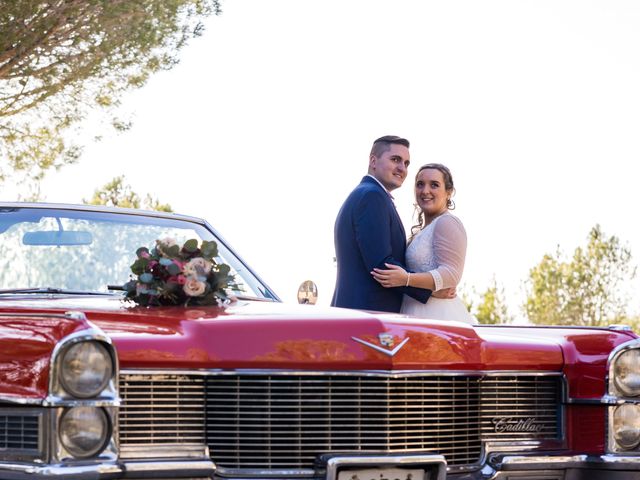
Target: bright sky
(266, 125)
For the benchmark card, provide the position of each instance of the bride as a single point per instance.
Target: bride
(436, 250)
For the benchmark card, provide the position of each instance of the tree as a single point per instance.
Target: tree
(586, 290)
(491, 309)
(117, 193)
(60, 59)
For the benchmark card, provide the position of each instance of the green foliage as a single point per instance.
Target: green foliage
(585, 290)
(117, 193)
(172, 275)
(491, 307)
(61, 59)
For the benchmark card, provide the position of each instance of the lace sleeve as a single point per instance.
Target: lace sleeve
(449, 248)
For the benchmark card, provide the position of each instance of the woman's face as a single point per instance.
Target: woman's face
(431, 194)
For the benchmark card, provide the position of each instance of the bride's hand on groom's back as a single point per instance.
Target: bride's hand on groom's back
(445, 293)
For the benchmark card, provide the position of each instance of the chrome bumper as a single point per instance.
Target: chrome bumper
(578, 467)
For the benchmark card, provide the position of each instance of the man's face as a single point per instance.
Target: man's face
(390, 168)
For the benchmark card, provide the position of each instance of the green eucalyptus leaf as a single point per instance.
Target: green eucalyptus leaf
(139, 266)
(209, 249)
(191, 245)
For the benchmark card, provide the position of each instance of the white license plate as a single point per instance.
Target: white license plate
(381, 474)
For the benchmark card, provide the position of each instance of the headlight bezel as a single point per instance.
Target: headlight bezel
(75, 384)
(58, 392)
(623, 397)
(629, 425)
(67, 450)
(616, 386)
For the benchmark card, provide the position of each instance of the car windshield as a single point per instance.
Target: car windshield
(50, 250)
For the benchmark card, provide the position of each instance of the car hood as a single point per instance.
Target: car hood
(271, 335)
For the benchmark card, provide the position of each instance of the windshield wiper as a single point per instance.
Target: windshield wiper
(49, 290)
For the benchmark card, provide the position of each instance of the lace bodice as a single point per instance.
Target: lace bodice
(440, 248)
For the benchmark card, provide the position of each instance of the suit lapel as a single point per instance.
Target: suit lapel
(398, 221)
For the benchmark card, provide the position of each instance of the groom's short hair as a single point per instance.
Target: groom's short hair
(381, 144)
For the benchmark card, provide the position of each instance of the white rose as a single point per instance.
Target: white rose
(168, 241)
(164, 244)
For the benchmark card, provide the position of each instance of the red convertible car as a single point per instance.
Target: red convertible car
(139, 345)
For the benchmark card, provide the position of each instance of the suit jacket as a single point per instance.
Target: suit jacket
(369, 233)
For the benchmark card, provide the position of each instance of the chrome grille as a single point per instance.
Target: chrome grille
(517, 408)
(162, 409)
(283, 421)
(19, 430)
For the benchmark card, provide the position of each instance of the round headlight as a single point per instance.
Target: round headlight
(85, 369)
(626, 373)
(626, 426)
(84, 431)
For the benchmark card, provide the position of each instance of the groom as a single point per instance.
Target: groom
(369, 233)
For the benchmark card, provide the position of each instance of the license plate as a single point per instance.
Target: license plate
(381, 474)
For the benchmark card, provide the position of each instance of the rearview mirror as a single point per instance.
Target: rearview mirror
(57, 238)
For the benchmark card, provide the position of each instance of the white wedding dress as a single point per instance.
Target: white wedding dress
(440, 249)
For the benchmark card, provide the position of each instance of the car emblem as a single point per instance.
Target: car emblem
(386, 340)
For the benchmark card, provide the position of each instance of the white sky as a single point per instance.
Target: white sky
(266, 124)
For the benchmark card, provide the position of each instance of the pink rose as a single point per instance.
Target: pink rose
(197, 267)
(194, 287)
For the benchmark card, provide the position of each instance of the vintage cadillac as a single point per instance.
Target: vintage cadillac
(96, 385)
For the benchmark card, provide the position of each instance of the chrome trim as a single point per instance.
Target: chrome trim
(99, 208)
(67, 315)
(549, 461)
(618, 459)
(619, 327)
(19, 471)
(181, 469)
(615, 353)
(334, 464)
(571, 461)
(28, 434)
(388, 352)
(613, 397)
(166, 451)
(57, 395)
(497, 442)
(36, 402)
(364, 373)
(109, 453)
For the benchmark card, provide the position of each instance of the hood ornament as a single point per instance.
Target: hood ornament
(386, 340)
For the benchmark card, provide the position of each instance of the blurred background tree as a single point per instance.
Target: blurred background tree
(117, 193)
(490, 306)
(587, 290)
(61, 59)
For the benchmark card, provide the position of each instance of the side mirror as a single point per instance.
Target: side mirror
(308, 293)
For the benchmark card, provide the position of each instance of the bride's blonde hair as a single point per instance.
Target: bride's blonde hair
(448, 186)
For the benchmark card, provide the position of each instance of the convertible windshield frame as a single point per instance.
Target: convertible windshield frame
(12, 214)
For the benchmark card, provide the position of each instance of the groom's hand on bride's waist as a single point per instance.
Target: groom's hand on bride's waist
(445, 293)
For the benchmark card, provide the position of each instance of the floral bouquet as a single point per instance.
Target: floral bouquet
(172, 275)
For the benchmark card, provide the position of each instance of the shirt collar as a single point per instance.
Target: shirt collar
(379, 183)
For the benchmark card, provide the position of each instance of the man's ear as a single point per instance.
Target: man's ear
(372, 161)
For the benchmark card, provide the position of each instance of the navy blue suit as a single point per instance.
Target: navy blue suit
(369, 233)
